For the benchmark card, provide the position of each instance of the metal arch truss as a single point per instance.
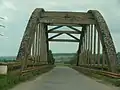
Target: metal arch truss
(96, 47)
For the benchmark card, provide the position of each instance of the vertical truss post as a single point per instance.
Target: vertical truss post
(33, 50)
(94, 53)
(89, 45)
(38, 44)
(80, 48)
(86, 47)
(83, 53)
(43, 50)
(98, 51)
(46, 29)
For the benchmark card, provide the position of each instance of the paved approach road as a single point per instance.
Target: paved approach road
(63, 78)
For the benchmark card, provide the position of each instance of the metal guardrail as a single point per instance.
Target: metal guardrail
(105, 73)
(34, 68)
(16, 67)
(110, 74)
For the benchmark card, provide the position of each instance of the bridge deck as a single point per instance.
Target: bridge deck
(63, 78)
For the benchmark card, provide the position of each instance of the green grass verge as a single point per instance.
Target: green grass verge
(10, 80)
(113, 81)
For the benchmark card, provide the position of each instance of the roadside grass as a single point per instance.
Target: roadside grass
(113, 81)
(9, 81)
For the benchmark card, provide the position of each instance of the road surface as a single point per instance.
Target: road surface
(63, 78)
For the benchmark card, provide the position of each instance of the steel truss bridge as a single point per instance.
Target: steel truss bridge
(96, 49)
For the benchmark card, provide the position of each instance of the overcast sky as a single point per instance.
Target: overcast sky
(17, 13)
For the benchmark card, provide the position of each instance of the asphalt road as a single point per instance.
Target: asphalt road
(63, 78)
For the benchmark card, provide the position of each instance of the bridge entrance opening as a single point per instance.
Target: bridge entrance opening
(64, 51)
